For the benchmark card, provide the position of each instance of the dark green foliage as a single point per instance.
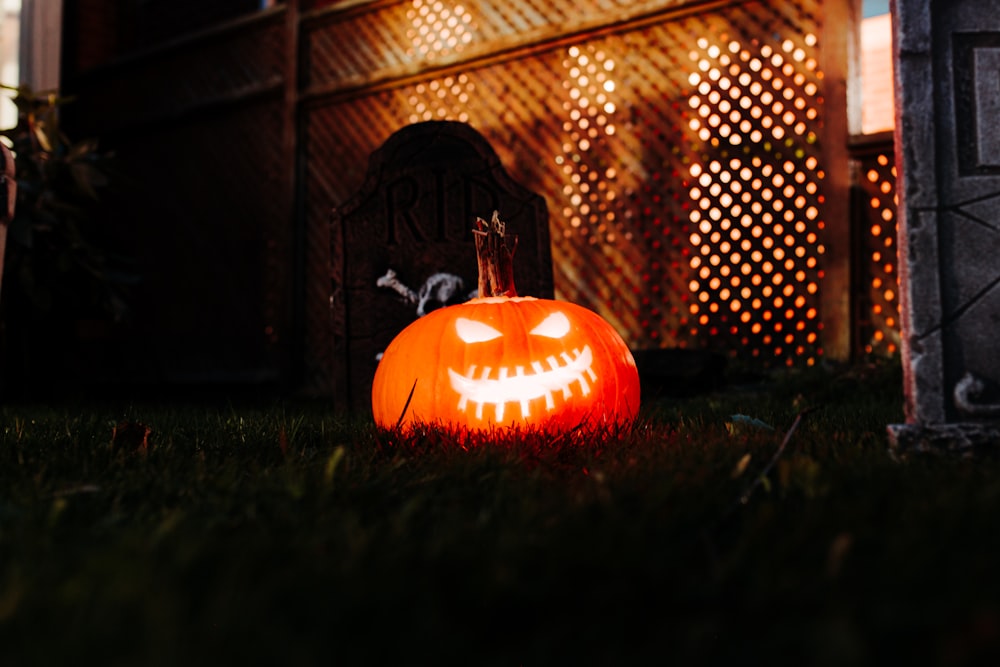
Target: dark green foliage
(66, 275)
(289, 536)
(57, 257)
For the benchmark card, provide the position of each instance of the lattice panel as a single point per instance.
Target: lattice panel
(681, 163)
(756, 202)
(878, 321)
(356, 44)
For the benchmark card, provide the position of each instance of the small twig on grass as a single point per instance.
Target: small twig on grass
(706, 533)
(565, 434)
(381, 434)
(759, 479)
(76, 490)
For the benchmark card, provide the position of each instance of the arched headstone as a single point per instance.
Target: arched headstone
(409, 227)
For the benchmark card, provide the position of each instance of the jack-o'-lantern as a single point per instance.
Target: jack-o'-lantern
(500, 361)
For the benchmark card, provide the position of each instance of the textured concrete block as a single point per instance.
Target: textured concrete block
(948, 153)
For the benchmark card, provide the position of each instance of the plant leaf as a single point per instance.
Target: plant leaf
(42, 137)
(751, 421)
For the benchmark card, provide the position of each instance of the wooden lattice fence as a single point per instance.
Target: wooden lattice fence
(692, 155)
(876, 289)
(681, 153)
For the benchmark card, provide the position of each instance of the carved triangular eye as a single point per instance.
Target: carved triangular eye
(472, 331)
(555, 325)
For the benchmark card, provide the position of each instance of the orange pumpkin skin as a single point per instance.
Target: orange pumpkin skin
(507, 362)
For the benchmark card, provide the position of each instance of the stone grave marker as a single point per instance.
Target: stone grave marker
(403, 243)
(947, 59)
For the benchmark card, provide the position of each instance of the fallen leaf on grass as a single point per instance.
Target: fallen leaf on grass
(331, 464)
(738, 422)
(741, 466)
(130, 436)
(839, 548)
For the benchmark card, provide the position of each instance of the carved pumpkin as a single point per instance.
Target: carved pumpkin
(501, 361)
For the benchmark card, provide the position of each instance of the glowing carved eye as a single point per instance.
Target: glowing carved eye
(472, 331)
(555, 325)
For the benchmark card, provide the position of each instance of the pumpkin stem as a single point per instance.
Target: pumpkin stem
(495, 257)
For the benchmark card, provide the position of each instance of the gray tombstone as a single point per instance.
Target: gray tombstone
(410, 227)
(947, 58)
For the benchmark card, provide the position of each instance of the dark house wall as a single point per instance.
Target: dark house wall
(190, 98)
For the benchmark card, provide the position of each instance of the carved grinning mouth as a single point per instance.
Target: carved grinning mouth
(477, 385)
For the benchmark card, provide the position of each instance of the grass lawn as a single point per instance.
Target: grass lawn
(283, 534)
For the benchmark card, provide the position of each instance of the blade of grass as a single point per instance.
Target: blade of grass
(406, 405)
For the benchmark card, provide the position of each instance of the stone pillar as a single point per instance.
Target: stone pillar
(947, 62)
